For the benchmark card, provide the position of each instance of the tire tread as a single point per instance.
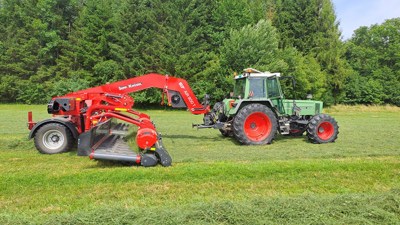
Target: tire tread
(312, 128)
(238, 124)
(68, 138)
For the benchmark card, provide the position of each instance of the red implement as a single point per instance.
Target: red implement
(76, 114)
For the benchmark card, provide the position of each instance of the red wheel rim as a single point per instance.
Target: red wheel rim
(257, 126)
(325, 130)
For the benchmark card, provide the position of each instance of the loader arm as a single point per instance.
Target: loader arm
(113, 97)
(175, 88)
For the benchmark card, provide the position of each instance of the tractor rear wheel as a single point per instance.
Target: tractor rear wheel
(255, 124)
(322, 128)
(53, 138)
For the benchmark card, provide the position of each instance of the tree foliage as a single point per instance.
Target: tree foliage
(254, 46)
(52, 47)
(311, 27)
(374, 53)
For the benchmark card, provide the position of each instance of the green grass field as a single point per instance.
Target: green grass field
(213, 180)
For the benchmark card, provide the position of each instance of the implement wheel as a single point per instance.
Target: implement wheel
(255, 124)
(322, 128)
(53, 138)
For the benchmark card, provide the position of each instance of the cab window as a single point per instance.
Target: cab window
(239, 88)
(257, 87)
(273, 88)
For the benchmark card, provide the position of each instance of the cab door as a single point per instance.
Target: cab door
(274, 93)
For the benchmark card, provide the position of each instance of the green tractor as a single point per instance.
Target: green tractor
(256, 110)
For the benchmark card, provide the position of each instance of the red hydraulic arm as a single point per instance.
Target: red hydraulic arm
(153, 80)
(106, 101)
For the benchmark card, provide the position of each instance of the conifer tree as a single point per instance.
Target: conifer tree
(311, 27)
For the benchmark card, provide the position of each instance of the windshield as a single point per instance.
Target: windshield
(257, 87)
(240, 87)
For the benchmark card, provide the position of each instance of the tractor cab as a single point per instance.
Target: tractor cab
(264, 87)
(253, 84)
(256, 86)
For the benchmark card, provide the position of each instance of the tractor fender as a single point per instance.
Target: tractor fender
(245, 102)
(71, 126)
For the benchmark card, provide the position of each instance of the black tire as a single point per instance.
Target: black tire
(53, 138)
(255, 124)
(322, 128)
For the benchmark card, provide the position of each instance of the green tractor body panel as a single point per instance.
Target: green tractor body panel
(308, 107)
(232, 106)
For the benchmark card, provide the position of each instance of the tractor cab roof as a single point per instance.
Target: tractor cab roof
(250, 72)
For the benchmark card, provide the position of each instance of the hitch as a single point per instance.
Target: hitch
(217, 125)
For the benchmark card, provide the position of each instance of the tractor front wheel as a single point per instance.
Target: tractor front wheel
(255, 124)
(322, 128)
(53, 138)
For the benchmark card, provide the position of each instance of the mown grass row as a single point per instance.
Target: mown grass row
(33, 187)
(306, 209)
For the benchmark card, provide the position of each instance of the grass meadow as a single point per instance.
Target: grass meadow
(213, 180)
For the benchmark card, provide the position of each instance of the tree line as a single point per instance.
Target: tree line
(52, 47)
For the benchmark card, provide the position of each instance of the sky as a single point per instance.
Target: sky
(355, 13)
